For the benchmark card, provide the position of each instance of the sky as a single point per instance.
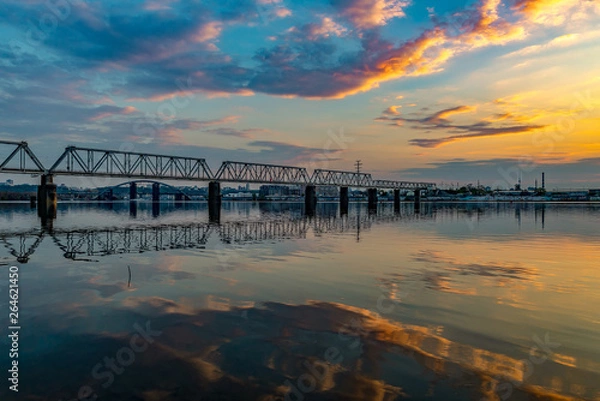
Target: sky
(444, 91)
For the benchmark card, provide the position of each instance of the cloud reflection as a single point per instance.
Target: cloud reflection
(249, 353)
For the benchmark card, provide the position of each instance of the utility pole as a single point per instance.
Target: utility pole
(358, 165)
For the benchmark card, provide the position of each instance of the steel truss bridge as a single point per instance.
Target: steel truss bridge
(87, 244)
(17, 157)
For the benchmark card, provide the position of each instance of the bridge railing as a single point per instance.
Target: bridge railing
(110, 163)
(262, 173)
(20, 159)
(410, 185)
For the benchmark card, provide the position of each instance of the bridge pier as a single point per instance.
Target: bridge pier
(396, 200)
(46, 195)
(418, 200)
(155, 192)
(214, 201)
(178, 199)
(344, 201)
(132, 191)
(310, 199)
(372, 198)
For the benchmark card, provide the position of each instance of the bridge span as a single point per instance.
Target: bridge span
(78, 161)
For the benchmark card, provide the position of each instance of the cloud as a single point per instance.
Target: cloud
(439, 118)
(149, 50)
(290, 153)
(442, 116)
(439, 121)
(326, 28)
(554, 12)
(103, 112)
(392, 111)
(366, 14)
(223, 131)
(559, 42)
(474, 131)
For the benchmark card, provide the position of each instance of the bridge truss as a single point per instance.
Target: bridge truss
(110, 163)
(341, 178)
(262, 173)
(112, 241)
(84, 245)
(20, 159)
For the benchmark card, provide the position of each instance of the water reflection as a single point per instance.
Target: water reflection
(319, 350)
(457, 301)
(82, 243)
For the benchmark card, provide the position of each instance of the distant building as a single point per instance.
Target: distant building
(10, 182)
(280, 191)
(328, 191)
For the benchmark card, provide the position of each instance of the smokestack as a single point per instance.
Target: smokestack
(543, 180)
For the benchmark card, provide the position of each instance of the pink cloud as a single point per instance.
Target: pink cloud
(111, 111)
(208, 31)
(367, 14)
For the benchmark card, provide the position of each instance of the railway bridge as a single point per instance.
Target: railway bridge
(80, 161)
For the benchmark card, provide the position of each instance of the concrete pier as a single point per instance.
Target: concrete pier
(396, 200)
(344, 201)
(156, 192)
(46, 197)
(155, 209)
(178, 199)
(214, 202)
(418, 200)
(310, 199)
(132, 191)
(372, 198)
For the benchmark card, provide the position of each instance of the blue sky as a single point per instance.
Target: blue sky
(443, 91)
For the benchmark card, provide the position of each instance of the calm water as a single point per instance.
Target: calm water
(458, 302)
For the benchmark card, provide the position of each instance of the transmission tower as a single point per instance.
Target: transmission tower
(358, 165)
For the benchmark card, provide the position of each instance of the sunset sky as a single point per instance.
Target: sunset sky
(444, 91)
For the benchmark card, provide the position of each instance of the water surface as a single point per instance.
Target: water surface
(455, 302)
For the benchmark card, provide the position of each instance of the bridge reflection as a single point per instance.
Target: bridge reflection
(85, 244)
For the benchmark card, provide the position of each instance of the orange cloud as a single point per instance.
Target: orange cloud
(547, 12)
(392, 111)
(444, 114)
(110, 111)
